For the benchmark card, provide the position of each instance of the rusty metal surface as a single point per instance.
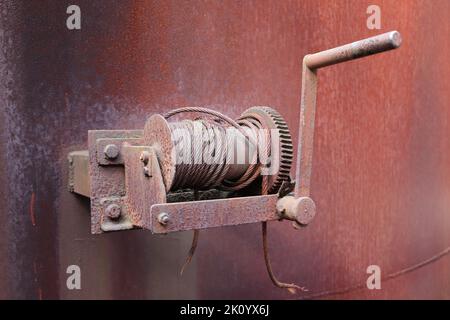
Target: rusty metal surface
(107, 178)
(381, 156)
(157, 135)
(213, 213)
(143, 188)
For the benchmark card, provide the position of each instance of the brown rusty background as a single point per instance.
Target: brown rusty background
(381, 167)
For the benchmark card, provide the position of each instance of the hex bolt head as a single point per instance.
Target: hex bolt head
(163, 218)
(113, 211)
(111, 151)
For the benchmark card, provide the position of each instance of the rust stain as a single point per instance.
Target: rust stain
(32, 205)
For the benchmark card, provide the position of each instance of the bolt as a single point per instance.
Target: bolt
(147, 171)
(163, 218)
(113, 211)
(111, 151)
(144, 157)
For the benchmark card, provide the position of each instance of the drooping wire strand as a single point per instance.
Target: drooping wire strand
(191, 252)
(194, 243)
(291, 287)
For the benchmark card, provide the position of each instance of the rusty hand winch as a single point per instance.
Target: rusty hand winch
(208, 171)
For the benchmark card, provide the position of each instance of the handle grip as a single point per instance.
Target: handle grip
(359, 49)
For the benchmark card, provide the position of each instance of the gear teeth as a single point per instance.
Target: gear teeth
(286, 147)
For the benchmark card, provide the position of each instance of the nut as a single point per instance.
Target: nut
(113, 211)
(111, 151)
(163, 218)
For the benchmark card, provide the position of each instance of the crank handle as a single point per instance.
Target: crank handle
(294, 207)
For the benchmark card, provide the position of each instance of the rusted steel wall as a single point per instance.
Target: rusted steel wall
(381, 168)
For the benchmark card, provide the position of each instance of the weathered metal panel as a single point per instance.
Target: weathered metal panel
(381, 163)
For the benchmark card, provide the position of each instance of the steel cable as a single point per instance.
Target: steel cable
(207, 140)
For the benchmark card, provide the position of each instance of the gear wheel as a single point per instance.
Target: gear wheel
(271, 119)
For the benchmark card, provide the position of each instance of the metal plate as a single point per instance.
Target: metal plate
(142, 190)
(106, 180)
